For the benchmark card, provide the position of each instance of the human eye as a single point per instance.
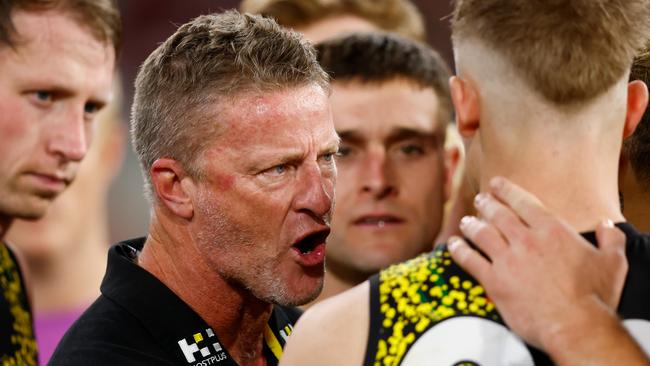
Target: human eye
(412, 149)
(92, 108)
(327, 160)
(42, 97)
(278, 170)
(329, 157)
(343, 151)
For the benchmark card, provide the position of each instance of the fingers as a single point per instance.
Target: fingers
(611, 242)
(469, 259)
(523, 203)
(610, 238)
(502, 217)
(485, 236)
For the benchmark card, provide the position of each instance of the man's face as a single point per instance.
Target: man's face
(264, 204)
(51, 86)
(391, 182)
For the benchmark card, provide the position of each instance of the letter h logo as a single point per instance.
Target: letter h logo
(189, 350)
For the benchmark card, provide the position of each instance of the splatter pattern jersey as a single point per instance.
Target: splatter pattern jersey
(428, 311)
(17, 342)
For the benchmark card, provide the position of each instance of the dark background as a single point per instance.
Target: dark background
(149, 22)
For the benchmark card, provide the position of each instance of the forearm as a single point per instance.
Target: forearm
(593, 336)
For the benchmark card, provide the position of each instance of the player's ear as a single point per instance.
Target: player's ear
(173, 187)
(637, 101)
(464, 96)
(452, 157)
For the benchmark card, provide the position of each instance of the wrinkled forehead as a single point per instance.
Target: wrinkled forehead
(260, 115)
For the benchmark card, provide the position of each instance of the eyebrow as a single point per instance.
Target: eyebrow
(280, 156)
(65, 92)
(332, 146)
(395, 135)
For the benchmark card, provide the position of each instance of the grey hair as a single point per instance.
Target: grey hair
(210, 59)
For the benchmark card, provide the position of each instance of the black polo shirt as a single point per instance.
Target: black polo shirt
(137, 320)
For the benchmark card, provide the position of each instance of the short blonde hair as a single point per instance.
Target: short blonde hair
(101, 17)
(399, 16)
(570, 51)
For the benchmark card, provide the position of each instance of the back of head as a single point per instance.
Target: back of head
(101, 17)
(637, 146)
(399, 16)
(212, 58)
(375, 58)
(569, 51)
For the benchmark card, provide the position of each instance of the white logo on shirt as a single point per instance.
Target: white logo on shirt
(190, 349)
(477, 341)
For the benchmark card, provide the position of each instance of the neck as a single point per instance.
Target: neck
(573, 174)
(57, 285)
(233, 312)
(335, 282)
(636, 200)
(5, 222)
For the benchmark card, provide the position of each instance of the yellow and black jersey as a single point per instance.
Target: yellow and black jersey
(17, 342)
(428, 311)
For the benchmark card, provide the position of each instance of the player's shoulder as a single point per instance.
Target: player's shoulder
(337, 325)
(433, 284)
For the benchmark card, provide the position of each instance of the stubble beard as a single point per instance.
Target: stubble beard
(232, 252)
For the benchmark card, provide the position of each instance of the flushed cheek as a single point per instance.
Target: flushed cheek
(24, 137)
(224, 181)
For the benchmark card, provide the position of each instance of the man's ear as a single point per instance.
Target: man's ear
(173, 187)
(466, 104)
(637, 101)
(451, 160)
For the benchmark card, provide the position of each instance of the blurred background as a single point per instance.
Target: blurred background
(149, 22)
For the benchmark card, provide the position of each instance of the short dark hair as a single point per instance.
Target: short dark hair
(381, 57)
(101, 17)
(637, 146)
(209, 59)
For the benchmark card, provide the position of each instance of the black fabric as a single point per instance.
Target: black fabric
(374, 329)
(422, 296)
(17, 343)
(137, 320)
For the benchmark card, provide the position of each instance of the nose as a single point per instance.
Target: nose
(68, 136)
(316, 193)
(377, 175)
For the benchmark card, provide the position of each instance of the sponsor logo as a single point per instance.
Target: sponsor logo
(203, 343)
(470, 341)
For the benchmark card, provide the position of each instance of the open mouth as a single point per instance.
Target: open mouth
(309, 243)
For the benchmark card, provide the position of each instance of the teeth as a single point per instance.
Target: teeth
(381, 223)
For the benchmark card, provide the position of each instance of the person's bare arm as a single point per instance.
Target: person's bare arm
(552, 287)
(332, 332)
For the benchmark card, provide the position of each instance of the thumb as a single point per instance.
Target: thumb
(610, 238)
